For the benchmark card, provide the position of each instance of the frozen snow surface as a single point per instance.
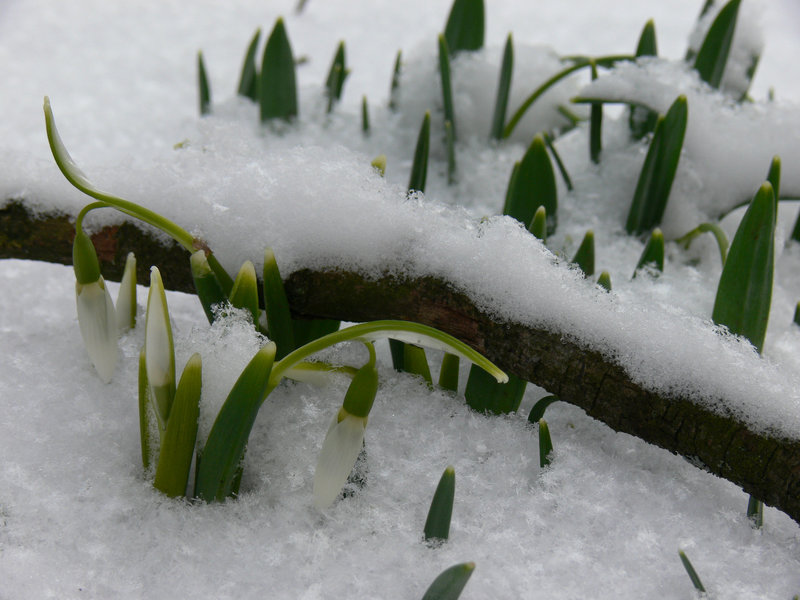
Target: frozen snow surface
(77, 516)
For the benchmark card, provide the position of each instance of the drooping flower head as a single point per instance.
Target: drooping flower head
(96, 315)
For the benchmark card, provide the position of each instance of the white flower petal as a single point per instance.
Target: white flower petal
(337, 458)
(126, 298)
(158, 350)
(98, 322)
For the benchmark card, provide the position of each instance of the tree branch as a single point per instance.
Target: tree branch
(765, 466)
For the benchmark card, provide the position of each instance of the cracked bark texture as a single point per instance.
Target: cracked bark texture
(765, 466)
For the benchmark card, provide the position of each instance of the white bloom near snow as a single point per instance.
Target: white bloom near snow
(98, 323)
(338, 456)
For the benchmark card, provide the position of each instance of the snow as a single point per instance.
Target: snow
(77, 516)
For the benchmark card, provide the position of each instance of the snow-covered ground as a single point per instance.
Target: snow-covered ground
(77, 517)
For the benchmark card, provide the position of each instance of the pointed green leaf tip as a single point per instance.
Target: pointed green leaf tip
(419, 169)
(465, 26)
(177, 447)
(202, 82)
(713, 55)
(206, 284)
(744, 293)
(437, 525)
(692, 573)
(248, 80)
(450, 582)
(503, 91)
(447, 88)
(244, 293)
(545, 444)
(277, 84)
(276, 305)
(658, 170)
(604, 281)
(222, 455)
(653, 253)
(539, 224)
(338, 72)
(642, 120)
(533, 184)
(647, 45)
(584, 257)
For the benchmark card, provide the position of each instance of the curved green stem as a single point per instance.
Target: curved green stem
(712, 228)
(414, 333)
(85, 210)
(580, 63)
(77, 178)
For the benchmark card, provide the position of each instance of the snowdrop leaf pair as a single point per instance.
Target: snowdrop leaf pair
(713, 54)
(336, 77)
(277, 85)
(206, 284)
(653, 254)
(533, 184)
(658, 170)
(221, 457)
(178, 441)
(744, 293)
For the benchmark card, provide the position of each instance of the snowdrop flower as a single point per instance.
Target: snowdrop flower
(126, 298)
(96, 315)
(158, 348)
(345, 435)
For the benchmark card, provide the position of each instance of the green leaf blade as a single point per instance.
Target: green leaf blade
(658, 171)
(222, 455)
(533, 184)
(204, 88)
(450, 582)
(485, 395)
(713, 54)
(437, 524)
(447, 86)
(465, 26)
(744, 293)
(276, 305)
(277, 88)
(177, 447)
(503, 91)
(248, 80)
(419, 168)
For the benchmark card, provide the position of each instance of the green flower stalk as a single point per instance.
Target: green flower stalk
(96, 315)
(158, 348)
(345, 436)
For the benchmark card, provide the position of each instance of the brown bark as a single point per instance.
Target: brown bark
(765, 466)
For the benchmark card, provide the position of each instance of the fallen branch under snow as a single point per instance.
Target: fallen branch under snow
(766, 466)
